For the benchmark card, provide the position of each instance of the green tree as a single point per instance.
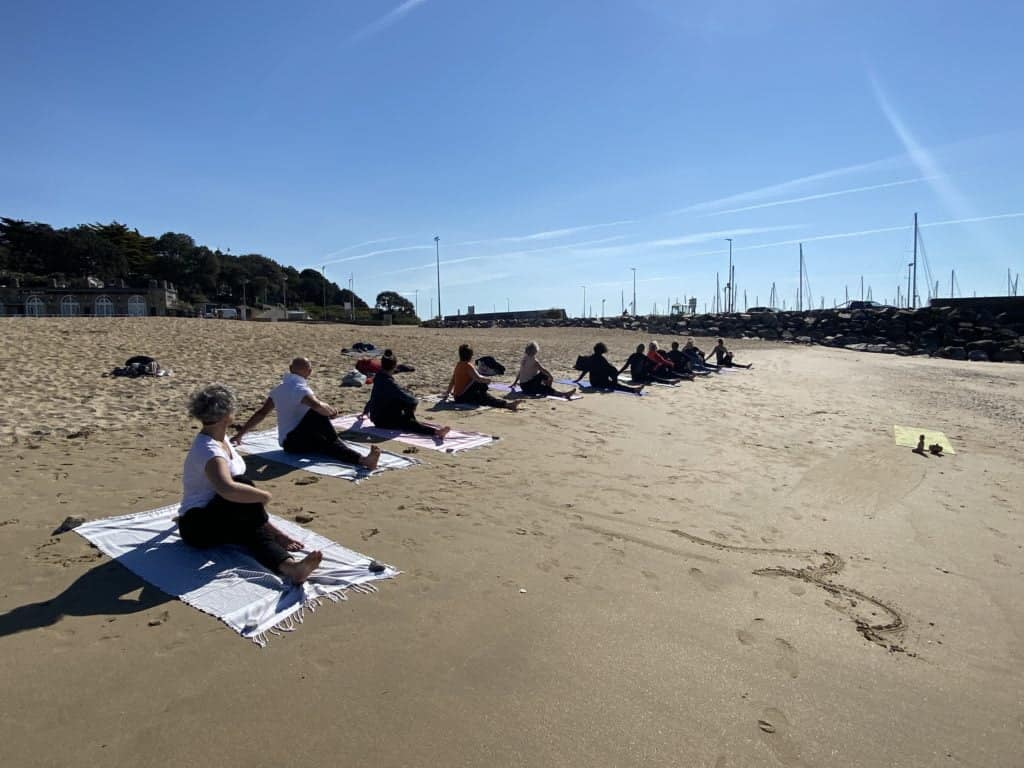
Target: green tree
(394, 303)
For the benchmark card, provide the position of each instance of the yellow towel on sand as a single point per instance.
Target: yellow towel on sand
(908, 436)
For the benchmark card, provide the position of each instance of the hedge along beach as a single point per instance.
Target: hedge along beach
(743, 570)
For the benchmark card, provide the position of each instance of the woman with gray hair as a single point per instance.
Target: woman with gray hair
(534, 378)
(218, 505)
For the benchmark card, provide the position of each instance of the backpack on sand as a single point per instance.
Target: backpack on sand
(488, 366)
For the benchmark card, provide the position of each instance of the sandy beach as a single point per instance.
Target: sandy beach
(741, 571)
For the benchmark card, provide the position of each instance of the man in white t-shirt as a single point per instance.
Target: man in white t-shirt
(304, 421)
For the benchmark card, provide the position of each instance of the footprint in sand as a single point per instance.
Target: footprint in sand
(776, 734)
(787, 658)
(703, 580)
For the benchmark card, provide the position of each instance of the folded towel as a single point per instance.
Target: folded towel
(453, 442)
(227, 582)
(264, 444)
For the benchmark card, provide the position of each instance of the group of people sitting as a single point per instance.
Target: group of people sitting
(221, 506)
(651, 366)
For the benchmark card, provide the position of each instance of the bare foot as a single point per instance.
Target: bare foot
(284, 539)
(297, 571)
(568, 395)
(370, 461)
(514, 405)
(441, 432)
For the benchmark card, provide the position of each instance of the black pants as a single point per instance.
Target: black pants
(315, 434)
(476, 393)
(230, 522)
(603, 382)
(538, 385)
(403, 418)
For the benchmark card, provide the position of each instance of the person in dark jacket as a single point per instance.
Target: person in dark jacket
(604, 375)
(392, 407)
(641, 369)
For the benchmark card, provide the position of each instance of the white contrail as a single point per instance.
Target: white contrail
(389, 18)
(786, 186)
(360, 245)
(822, 196)
(703, 237)
(550, 234)
(921, 157)
(505, 255)
(866, 232)
(381, 253)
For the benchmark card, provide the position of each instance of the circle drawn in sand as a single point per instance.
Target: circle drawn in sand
(874, 630)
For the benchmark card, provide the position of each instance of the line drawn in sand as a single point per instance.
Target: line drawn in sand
(878, 632)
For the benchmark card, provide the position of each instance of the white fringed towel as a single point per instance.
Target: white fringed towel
(264, 444)
(227, 582)
(453, 442)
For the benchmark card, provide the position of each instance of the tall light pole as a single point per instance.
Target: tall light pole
(352, 295)
(728, 284)
(437, 255)
(244, 281)
(284, 294)
(634, 290)
(416, 299)
(602, 309)
(584, 300)
(508, 305)
(323, 270)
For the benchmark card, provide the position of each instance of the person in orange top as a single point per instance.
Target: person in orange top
(663, 366)
(468, 386)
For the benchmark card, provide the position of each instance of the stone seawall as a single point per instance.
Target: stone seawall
(950, 332)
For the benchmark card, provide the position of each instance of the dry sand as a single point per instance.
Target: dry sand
(680, 609)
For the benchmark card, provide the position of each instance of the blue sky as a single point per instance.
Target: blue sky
(550, 144)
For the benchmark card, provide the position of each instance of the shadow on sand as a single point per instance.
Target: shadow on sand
(98, 592)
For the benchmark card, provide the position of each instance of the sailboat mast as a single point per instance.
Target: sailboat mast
(800, 283)
(913, 300)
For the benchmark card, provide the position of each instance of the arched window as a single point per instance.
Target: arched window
(35, 307)
(104, 306)
(69, 306)
(136, 306)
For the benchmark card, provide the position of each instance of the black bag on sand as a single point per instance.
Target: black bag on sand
(582, 363)
(139, 365)
(488, 366)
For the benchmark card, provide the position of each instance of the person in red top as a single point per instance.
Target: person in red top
(661, 365)
(468, 386)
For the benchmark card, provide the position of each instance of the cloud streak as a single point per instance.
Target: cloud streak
(921, 157)
(551, 234)
(822, 196)
(361, 245)
(391, 17)
(381, 252)
(786, 187)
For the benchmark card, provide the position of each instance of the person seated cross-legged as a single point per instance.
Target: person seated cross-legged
(223, 507)
(534, 379)
(392, 407)
(469, 387)
(304, 421)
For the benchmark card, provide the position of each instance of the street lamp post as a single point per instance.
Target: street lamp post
(634, 290)
(323, 271)
(244, 281)
(437, 255)
(729, 289)
(284, 295)
(602, 309)
(584, 300)
(508, 305)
